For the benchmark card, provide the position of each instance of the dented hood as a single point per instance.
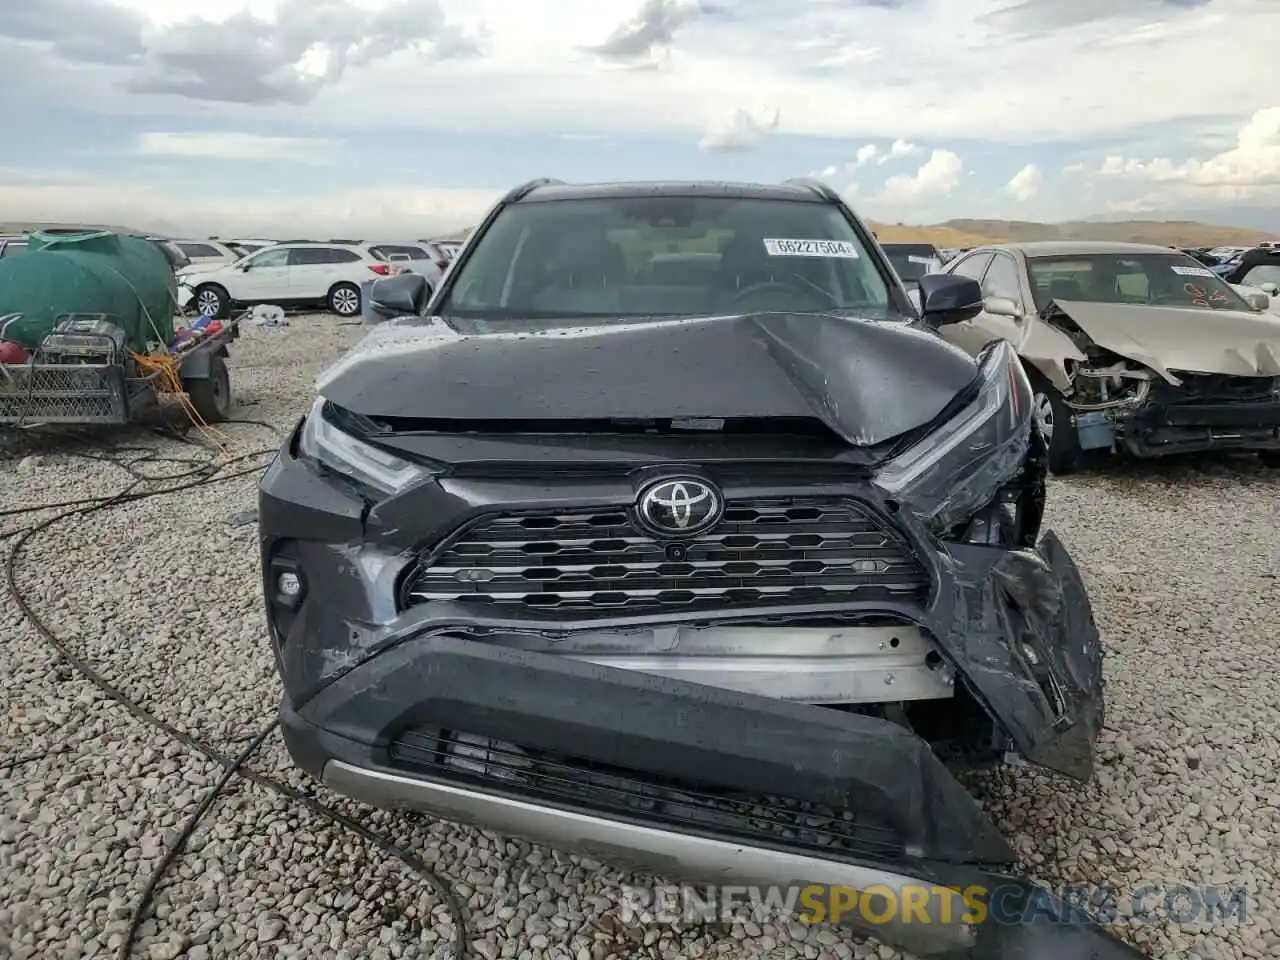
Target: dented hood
(867, 380)
(1191, 339)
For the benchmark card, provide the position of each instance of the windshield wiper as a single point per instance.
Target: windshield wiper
(834, 300)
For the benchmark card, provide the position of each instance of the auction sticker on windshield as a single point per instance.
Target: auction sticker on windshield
(841, 249)
(1194, 272)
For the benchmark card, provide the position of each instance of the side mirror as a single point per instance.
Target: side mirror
(1258, 300)
(1002, 307)
(1270, 289)
(244, 267)
(404, 295)
(946, 299)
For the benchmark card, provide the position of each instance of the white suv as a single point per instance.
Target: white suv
(289, 274)
(206, 255)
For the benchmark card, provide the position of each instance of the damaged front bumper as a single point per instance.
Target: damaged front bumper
(1200, 415)
(684, 780)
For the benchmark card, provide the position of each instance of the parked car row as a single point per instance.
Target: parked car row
(303, 273)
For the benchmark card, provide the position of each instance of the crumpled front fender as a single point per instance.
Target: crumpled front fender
(1019, 626)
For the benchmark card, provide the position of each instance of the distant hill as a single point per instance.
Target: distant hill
(1171, 233)
(965, 233)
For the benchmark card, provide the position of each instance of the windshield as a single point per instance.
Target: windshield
(666, 256)
(912, 261)
(1170, 279)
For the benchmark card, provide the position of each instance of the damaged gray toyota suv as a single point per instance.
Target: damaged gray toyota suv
(669, 532)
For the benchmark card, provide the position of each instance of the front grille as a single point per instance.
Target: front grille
(774, 552)
(584, 784)
(1218, 388)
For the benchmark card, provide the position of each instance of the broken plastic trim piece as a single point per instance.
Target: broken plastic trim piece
(957, 469)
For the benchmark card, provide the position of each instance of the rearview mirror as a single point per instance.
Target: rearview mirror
(1259, 299)
(1001, 307)
(404, 295)
(946, 299)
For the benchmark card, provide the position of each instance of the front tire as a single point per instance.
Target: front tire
(211, 301)
(1057, 426)
(344, 300)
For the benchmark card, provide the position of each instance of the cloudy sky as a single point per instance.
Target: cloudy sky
(410, 116)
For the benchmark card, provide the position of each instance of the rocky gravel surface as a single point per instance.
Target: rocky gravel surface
(162, 596)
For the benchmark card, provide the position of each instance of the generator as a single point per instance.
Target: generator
(83, 338)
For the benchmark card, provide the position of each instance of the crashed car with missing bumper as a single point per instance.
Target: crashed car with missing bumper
(1131, 348)
(669, 533)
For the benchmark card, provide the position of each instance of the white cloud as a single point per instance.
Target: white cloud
(238, 146)
(866, 155)
(871, 155)
(647, 36)
(200, 209)
(740, 129)
(1025, 184)
(1073, 169)
(851, 73)
(1252, 165)
(935, 179)
(535, 75)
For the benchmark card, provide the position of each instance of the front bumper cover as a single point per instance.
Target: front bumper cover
(1158, 429)
(677, 732)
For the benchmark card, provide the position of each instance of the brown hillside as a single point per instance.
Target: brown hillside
(968, 233)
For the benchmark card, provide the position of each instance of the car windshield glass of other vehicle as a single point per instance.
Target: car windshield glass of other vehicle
(1262, 273)
(200, 251)
(666, 256)
(269, 258)
(1156, 279)
(912, 261)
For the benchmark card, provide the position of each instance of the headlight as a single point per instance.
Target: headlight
(955, 471)
(342, 453)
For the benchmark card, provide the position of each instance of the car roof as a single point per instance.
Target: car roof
(323, 243)
(1075, 248)
(671, 188)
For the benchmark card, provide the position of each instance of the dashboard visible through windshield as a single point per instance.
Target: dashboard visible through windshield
(666, 256)
(1156, 279)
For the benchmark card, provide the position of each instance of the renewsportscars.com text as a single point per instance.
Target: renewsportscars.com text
(924, 903)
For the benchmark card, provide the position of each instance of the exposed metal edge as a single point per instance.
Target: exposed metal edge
(661, 851)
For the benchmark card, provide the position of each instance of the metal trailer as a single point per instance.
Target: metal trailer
(83, 372)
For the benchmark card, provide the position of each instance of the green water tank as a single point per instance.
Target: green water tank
(128, 278)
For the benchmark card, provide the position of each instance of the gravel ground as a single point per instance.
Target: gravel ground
(163, 595)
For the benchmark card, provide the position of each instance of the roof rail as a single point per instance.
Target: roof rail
(522, 191)
(817, 186)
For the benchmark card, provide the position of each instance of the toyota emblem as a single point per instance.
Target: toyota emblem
(680, 507)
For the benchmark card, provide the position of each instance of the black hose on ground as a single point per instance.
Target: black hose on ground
(206, 473)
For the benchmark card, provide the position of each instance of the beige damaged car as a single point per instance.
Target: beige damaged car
(1130, 348)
